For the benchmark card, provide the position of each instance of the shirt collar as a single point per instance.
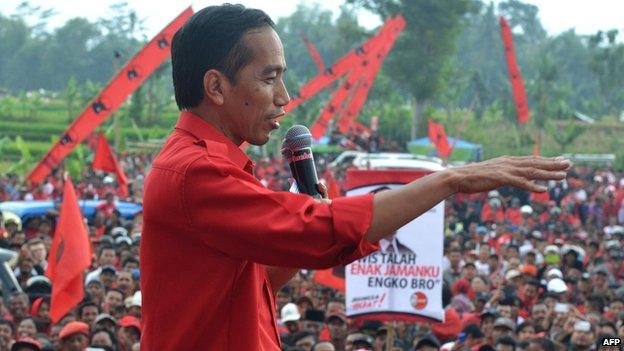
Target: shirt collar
(202, 130)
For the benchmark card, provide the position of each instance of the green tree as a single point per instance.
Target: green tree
(157, 96)
(136, 110)
(71, 95)
(564, 137)
(420, 59)
(607, 63)
(14, 33)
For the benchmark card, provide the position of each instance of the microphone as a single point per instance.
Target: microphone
(296, 149)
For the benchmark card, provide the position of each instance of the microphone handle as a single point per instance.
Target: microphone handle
(303, 171)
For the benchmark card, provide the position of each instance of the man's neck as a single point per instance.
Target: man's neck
(212, 117)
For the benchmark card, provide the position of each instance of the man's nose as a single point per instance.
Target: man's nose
(282, 98)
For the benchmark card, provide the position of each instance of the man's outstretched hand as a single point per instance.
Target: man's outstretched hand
(520, 172)
(394, 208)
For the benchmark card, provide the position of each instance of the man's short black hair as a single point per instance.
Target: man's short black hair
(129, 260)
(104, 248)
(303, 334)
(507, 341)
(211, 39)
(86, 304)
(455, 249)
(111, 335)
(545, 343)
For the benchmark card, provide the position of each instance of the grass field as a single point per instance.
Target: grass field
(40, 127)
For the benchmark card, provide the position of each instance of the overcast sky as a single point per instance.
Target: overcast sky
(585, 16)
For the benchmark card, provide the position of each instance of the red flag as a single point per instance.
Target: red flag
(70, 256)
(315, 55)
(106, 161)
(332, 278)
(438, 137)
(517, 85)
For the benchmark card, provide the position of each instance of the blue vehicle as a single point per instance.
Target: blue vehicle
(37, 208)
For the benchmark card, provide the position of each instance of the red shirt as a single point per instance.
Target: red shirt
(513, 215)
(209, 230)
(106, 208)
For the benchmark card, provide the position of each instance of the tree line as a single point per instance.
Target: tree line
(449, 57)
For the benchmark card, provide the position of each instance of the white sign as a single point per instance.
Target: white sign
(404, 279)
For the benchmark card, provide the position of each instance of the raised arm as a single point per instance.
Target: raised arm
(393, 209)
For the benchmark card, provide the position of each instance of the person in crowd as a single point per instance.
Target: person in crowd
(88, 311)
(103, 338)
(74, 336)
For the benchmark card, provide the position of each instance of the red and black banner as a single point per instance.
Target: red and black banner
(437, 136)
(517, 84)
(129, 78)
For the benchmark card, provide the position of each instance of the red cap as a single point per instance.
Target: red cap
(130, 321)
(529, 269)
(72, 328)
(26, 341)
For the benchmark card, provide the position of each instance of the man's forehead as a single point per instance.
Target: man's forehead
(267, 48)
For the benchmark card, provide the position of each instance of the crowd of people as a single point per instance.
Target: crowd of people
(522, 271)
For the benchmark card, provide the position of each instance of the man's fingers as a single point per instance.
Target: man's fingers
(549, 164)
(526, 184)
(540, 174)
(322, 189)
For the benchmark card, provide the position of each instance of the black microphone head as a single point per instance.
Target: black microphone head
(297, 137)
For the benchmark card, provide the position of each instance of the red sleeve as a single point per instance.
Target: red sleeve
(234, 213)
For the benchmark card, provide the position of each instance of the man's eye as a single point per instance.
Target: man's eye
(270, 80)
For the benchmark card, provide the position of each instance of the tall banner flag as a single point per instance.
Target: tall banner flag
(313, 52)
(127, 80)
(360, 78)
(517, 84)
(437, 136)
(403, 280)
(70, 256)
(105, 160)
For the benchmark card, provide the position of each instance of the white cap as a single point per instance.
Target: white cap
(551, 248)
(526, 209)
(511, 274)
(290, 313)
(137, 298)
(557, 286)
(556, 272)
(495, 202)
(493, 193)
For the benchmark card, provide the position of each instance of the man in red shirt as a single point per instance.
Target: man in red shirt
(108, 206)
(216, 243)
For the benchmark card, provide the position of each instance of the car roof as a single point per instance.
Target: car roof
(400, 164)
(36, 208)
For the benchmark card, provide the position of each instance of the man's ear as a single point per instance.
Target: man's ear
(214, 86)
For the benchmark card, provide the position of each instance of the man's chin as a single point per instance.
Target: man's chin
(259, 141)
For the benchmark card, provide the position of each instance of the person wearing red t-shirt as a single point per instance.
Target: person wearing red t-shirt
(203, 204)
(513, 214)
(108, 206)
(528, 297)
(493, 211)
(538, 197)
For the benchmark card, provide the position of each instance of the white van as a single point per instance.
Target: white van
(380, 160)
(410, 164)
